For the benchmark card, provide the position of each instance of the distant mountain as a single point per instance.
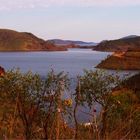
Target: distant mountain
(123, 44)
(60, 42)
(22, 41)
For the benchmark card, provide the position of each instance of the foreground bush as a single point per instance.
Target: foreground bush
(30, 105)
(36, 108)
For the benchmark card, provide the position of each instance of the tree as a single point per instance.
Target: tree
(54, 106)
(96, 86)
(32, 104)
(21, 93)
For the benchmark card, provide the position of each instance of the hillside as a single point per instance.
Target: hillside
(122, 61)
(22, 41)
(123, 44)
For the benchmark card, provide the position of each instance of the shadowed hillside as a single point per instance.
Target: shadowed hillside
(133, 83)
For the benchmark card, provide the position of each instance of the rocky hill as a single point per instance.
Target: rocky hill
(22, 41)
(128, 60)
(123, 44)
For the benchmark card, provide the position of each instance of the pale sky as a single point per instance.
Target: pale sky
(87, 20)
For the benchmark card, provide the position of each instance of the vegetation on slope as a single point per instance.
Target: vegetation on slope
(21, 41)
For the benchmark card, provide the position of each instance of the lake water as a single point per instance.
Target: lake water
(73, 61)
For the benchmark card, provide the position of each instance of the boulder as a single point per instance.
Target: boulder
(2, 71)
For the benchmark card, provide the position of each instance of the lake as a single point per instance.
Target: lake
(73, 61)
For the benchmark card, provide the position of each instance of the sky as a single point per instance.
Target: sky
(86, 20)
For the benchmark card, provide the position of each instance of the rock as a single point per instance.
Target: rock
(2, 71)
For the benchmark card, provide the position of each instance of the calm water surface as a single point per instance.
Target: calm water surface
(73, 61)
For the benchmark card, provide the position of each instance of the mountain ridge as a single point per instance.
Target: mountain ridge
(123, 44)
(69, 42)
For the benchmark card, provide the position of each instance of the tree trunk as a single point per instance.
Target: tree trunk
(104, 123)
(78, 89)
(76, 122)
(46, 133)
(27, 133)
(58, 118)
